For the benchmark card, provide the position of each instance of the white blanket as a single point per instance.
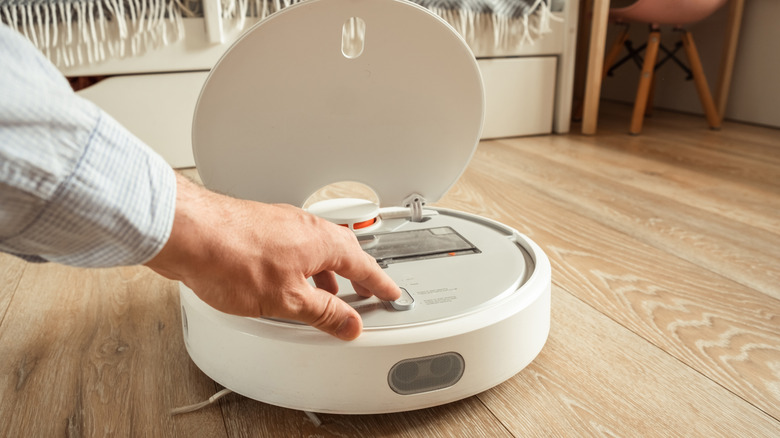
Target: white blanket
(75, 32)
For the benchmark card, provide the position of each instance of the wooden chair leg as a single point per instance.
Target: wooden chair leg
(612, 55)
(713, 119)
(651, 97)
(645, 80)
(614, 51)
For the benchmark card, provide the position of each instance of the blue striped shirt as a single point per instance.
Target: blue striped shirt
(75, 186)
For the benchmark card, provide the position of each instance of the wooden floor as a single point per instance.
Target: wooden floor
(665, 250)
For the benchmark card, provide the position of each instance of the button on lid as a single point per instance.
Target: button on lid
(381, 92)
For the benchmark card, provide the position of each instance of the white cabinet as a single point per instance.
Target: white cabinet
(518, 96)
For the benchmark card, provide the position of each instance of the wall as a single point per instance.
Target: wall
(755, 89)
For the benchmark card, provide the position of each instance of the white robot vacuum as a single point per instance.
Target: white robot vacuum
(384, 93)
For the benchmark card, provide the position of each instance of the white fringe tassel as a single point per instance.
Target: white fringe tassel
(73, 33)
(76, 32)
(507, 33)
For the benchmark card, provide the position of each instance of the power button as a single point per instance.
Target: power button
(406, 302)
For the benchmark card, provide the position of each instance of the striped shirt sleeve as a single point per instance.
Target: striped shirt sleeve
(75, 186)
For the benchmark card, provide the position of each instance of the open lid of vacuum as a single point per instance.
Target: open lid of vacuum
(380, 92)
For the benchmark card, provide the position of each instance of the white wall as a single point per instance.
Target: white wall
(755, 89)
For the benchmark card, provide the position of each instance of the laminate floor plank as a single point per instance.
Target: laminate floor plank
(469, 417)
(754, 144)
(95, 353)
(596, 378)
(721, 328)
(737, 201)
(717, 163)
(739, 251)
(677, 151)
(11, 269)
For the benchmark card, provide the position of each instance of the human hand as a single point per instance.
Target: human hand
(252, 259)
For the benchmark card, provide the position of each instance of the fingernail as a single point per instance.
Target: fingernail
(349, 329)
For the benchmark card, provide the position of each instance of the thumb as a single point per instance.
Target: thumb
(324, 311)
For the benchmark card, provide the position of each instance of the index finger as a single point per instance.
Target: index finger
(362, 270)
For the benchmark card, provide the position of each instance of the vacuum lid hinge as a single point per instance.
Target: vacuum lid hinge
(415, 203)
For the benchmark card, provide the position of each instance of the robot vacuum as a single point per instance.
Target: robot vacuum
(384, 93)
